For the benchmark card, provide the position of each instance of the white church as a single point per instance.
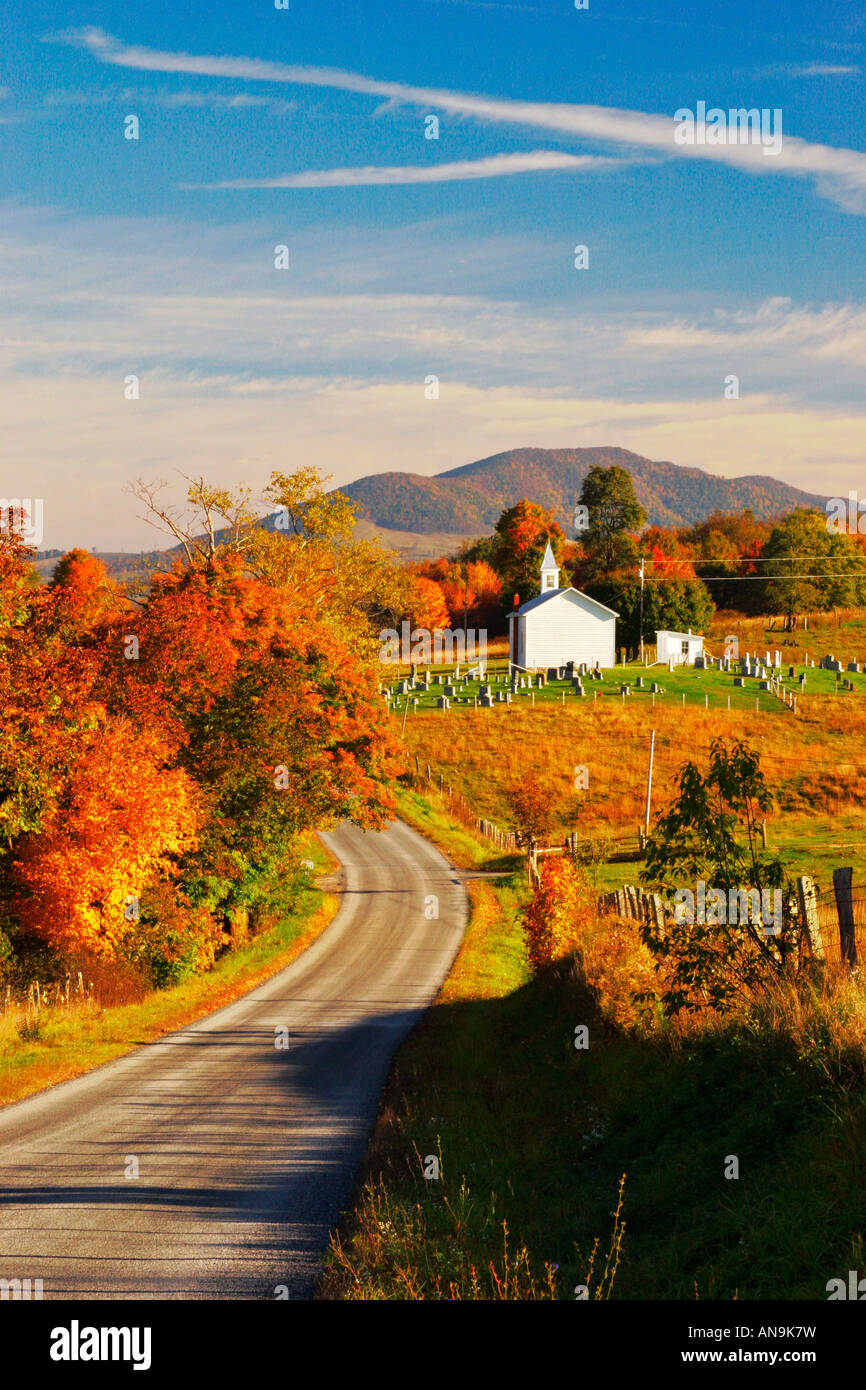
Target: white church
(561, 625)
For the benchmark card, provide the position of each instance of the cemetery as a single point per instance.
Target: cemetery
(759, 681)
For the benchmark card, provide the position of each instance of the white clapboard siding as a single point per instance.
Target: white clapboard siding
(567, 626)
(671, 644)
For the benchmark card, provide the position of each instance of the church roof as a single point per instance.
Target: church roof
(549, 561)
(560, 593)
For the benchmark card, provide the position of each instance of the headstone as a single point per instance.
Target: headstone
(443, 702)
(791, 673)
(656, 688)
(638, 685)
(700, 663)
(404, 687)
(486, 701)
(740, 681)
(777, 658)
(765, 685)
(854, 666)
(450, 691)
(624, 690)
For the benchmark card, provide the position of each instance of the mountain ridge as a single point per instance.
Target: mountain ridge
(469, 498)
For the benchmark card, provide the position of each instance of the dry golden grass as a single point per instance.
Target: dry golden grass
(813, 763)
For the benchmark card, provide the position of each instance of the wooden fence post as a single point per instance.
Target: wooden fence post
(808, 902)
(845, 908)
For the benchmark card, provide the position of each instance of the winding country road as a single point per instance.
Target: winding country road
(246, 1153)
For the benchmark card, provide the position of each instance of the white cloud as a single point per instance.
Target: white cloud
(833, 332)
(368, 176)
(840, 173)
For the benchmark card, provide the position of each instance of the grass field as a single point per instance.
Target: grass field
(534, 1137)
(38, 1050)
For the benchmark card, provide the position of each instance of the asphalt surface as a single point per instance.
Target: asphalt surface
(246, 1152)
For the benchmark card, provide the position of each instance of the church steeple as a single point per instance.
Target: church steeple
(549, 572)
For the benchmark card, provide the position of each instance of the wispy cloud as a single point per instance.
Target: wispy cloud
(823, 70)
(840, 174)
(170, 101)
(369, 176)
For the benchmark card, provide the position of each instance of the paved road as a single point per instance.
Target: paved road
(246, 1153)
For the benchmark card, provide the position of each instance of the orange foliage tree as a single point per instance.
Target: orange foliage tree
(431, 608)
(121, 815)
(186, 740)
(521, 534)
(551, 923)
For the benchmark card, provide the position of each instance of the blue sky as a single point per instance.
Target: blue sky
(412, 257)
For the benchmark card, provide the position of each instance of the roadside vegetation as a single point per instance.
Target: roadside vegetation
(54, 1041)
(731, 1133)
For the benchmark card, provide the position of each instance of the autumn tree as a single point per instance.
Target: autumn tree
(520, 538)
(531, 806)
(430, 608)
(471, 589)
(81, 593)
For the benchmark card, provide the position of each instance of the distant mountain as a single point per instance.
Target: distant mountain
(469, 500)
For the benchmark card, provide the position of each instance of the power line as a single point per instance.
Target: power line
(761, 578)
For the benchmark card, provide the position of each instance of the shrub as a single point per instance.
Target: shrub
(553, 920)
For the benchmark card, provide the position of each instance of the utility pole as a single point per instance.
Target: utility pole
(641, 609)
(649, 783)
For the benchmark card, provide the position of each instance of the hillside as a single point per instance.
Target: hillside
(468, 500)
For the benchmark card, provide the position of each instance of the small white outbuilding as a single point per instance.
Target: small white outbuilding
(561, 625)
(681, 647)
